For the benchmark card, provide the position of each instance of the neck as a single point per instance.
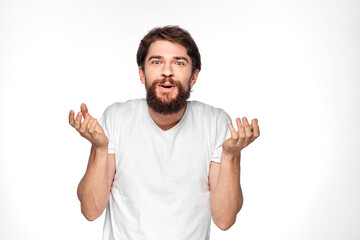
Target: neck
(165, 122)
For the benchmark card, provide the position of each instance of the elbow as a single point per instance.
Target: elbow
(225, 226)
(91, 209)
(226, 223)
(90, 215)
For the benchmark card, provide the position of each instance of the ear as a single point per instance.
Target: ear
(142, 75)
(194, 77)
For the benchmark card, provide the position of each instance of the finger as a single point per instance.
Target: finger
(248, 131)
(233, 132)
(71, 118)
(84, 124)
(256, 131)
(78, 120)
(240, 129)
(84, 110)
(252, 125)
(253, 122)
(92, 125)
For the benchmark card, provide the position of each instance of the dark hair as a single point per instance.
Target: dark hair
(173, 34)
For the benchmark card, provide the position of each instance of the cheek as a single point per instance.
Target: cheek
(152, 72)
(149, 78)
(183, 75)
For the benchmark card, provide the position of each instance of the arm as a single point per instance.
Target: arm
(226, 197)
(225, 191)
(94, 187)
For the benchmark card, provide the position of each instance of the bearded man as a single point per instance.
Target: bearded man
(163, 166)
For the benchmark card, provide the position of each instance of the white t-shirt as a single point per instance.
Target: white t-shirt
(161, 186)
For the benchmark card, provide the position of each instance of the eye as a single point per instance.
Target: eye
(179, 63)
(156, 62)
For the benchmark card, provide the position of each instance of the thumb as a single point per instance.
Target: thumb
(84, 110)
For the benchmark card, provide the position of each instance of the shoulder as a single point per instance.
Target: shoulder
(123, 111)
(207, 110)
(128, 106)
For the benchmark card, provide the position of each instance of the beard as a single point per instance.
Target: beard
(167, 106)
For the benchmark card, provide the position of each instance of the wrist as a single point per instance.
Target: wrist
(231, 156)
(100, 149)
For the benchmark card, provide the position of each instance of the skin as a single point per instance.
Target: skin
(226, 197)
(164, 60)
(94, 187)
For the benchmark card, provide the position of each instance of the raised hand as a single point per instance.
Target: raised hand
(245, 135)
(89, 128)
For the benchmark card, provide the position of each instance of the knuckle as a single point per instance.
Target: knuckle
(242, 136)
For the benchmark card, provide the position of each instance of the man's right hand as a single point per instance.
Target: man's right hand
(89, 128)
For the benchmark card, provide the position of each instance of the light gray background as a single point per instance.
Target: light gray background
(294, 65)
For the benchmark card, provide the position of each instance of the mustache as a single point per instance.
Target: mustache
(167, 79)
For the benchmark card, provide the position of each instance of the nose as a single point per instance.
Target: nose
(167, 70)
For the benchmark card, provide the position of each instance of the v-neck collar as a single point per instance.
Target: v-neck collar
(174, 128)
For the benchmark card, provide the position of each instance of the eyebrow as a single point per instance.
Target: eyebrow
(155, 57)
(182, 58)
(159, 57)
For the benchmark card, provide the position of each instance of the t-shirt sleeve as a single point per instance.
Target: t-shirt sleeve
(222, 133)
(107, 122)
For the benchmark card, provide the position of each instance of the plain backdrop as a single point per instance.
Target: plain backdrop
(293, 65)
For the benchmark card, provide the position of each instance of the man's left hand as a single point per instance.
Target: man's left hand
(245, 135)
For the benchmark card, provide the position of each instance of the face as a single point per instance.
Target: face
(168, 76)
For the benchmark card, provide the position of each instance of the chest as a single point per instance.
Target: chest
(166, 165)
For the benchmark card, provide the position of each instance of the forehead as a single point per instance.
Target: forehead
(167, 49)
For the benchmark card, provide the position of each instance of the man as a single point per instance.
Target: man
(163, 166)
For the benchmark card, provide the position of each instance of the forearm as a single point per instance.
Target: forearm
(227, 198)
(93, 189)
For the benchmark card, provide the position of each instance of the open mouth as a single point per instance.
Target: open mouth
(166, 86)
